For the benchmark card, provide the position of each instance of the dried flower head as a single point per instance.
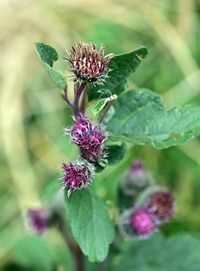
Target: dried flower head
(88, 63)
(77, 175)
(137, 179)
(38, 220)
(142, 222)
(89, 138)
(162, 204)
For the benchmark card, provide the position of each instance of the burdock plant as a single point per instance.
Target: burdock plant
(119, 118)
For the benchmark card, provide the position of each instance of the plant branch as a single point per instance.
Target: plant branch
(83, 100)
(65, 97)
(75, 250)
(112, 99)
(78, 93)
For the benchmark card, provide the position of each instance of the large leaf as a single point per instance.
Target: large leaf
(121, 67)
(181, 252)
(141, 118)
(90, 224)
(48, 56)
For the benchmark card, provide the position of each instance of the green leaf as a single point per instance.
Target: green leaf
(116, 153)
(99, 106)
(140, 118)
(181, 252)
(48, 56)
(102, 102)
(121, 66)
(90, 224)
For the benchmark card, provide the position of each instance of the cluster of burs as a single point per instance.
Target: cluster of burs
(143, 205)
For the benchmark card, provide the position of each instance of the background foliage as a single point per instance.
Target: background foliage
(33, 116)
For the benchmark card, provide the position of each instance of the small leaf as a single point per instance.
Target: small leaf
(99, 106)
(140, 118)
(102, 102)
(181, 252)
(90, 224)
(48, 56)
(116, 153)
(47, 53)
(121, 66)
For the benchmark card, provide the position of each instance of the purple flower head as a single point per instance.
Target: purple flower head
(162, 205)
(38, 220)
(137, 171)
(137, 179)
(88, 137)
(137, 166)
(142, 222)
(88, 63)
(77, 175)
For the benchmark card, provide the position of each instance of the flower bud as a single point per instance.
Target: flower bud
(142, 222)
(137, 223)
(39, 220)
(77, 175)
(89, 138)
(88, 63)
(162, 205)
(136, 180)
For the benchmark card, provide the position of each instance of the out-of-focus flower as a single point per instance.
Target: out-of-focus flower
(88, 63)
(89, 138)
(142, 222)
(77, 175)
(38, 220)
(162, 204)
(136, 180)
(137, 223)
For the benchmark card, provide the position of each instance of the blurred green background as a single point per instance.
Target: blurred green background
(32, 114)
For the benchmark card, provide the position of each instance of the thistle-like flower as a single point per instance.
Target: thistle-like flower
(89, 138)
(162, 205)
(88, 63)
(142, 222)
(77, 175)
(137, 223)
(137, 179)
(38, 220)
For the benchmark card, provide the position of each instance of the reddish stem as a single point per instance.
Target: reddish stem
(74, 249)
(83, 100)
(78, 92)
(65, 97)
